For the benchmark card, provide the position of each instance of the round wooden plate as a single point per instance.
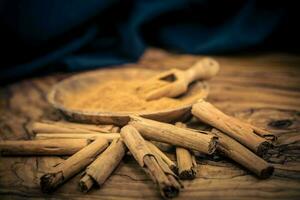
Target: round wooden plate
(86, 80)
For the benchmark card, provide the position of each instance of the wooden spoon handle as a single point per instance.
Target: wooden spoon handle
(202, 70)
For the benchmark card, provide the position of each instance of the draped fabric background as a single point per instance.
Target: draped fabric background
(39, 37)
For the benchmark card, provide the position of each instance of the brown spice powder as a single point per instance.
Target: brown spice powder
(123, 96)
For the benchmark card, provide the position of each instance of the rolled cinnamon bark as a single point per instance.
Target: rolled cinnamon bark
(263, 133)
(66, 127)
(186, 164)
(102, 128)
(244, 133)
(185, 160)
(240, 154)
(74, 164)
(158, 170)
(108, 136)
(97, 172)
(44, 147)
(163, 156)
(163, 132)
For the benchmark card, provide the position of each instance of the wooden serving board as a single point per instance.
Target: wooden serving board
(262, 89)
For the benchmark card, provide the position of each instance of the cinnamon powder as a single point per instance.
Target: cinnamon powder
(124, 96)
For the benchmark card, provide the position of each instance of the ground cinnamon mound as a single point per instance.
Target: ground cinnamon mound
(122, 96)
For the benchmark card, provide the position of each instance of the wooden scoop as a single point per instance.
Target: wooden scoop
(175, 82)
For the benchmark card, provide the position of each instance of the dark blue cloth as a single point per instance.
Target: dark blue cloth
(41, 36)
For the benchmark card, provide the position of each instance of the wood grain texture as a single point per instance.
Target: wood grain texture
(262, 89)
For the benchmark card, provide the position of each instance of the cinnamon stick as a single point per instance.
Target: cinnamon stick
(158, 170)
(263, 133)
(108, 136)
(163, 132)
(185, 160)
(186, 164)
(163, 156)
(240, 154)
(66, 127)
(102, 128)
(97, 172)
(244, 133)
(44, 147)
(74, 164)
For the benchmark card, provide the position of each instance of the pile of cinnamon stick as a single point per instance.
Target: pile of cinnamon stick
(98, 149)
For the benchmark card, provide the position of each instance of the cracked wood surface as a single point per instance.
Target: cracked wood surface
(262, 89)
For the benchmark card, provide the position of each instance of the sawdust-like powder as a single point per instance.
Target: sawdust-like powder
(121, 96)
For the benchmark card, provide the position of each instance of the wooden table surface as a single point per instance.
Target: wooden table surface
(263, 89)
